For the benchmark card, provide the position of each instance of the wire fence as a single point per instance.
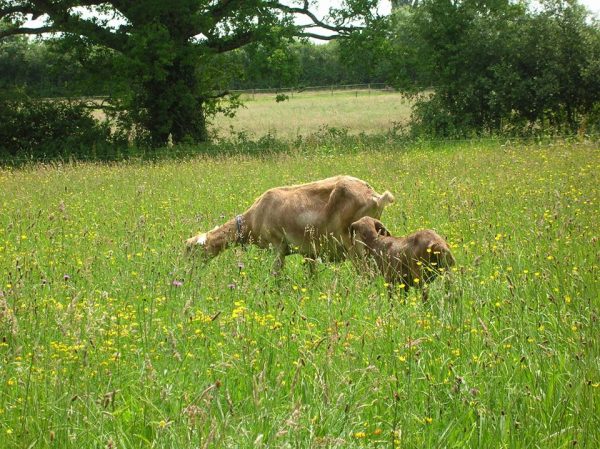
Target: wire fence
(331, 88)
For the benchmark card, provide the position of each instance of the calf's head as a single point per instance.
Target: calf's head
(365, 232)
(421, 255)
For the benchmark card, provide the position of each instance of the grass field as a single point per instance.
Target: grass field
(307, 113)
(111, 338)
(361, 111)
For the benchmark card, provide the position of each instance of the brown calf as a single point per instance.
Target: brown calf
(414, 260)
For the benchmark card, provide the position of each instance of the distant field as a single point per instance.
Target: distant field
(306, 113)
(360, 111)
(111, 338)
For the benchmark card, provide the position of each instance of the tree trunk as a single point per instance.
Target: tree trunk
(174, 107)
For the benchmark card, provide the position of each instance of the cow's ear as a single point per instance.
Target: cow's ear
(381, 229)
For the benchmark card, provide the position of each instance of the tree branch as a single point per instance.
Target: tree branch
(220, 10)
(211, 17)
(225, 45)
(62, 20)
(319, 36)
(217, 95)
(25, 30)
(20, 9)
(315, 20)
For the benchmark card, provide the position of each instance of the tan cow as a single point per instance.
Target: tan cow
(414, 260)
(310, 219)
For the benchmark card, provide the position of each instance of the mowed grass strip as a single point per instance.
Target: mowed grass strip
(110, 337)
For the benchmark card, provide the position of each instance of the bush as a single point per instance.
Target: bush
(51, 129)
(505, 68)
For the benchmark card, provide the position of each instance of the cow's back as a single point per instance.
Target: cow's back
(321, 208)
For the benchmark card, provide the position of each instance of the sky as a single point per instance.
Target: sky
(593, 5)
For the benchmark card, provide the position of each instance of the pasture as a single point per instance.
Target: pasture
(111, 338)
(305, 113)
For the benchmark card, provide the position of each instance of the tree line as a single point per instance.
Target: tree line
(45, 68)
(486, 66)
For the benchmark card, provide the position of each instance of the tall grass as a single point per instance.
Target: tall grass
(110, 337)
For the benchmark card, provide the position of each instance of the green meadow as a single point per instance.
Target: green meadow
(306, 113)
(110, 337)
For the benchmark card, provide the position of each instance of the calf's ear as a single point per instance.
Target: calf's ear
(381, 229)
(361, 231)
(353, 232)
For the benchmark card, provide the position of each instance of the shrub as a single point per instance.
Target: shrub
(503, 68)
(51, 129)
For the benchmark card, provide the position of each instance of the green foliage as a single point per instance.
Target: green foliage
(366, 56)
(387, 51)
(168, 56)
(33, 67)
(264, 65)
(52, 129)
(281, 97)
(499, 67)
(71, 67)
(320, 64)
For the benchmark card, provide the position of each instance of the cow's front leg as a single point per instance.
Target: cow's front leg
(281, 251)
(311, 262)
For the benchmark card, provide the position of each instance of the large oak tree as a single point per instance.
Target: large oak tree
(168, 51)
